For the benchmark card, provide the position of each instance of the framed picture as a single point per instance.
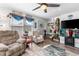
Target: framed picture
(41, 25)
(35, 25)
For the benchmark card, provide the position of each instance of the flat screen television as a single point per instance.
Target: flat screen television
(74, 23)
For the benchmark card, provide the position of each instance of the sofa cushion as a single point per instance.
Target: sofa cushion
(2, 53)
(21, 40)
(13, 48)
(3, 47)
(8, 37)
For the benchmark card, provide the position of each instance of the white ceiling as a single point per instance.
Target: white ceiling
(52, 11)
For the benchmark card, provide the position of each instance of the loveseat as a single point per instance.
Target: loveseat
(11, 44)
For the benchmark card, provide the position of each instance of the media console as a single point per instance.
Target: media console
(69, 41)
(76, 41)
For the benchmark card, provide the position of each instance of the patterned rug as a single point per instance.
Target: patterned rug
(47, 50)
(51, 50)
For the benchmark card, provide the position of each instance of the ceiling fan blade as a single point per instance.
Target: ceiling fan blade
(39, 3)
(36, 8)
(53, 5)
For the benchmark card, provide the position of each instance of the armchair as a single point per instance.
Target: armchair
(38, 39)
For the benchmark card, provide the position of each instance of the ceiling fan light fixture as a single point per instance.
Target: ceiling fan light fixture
(43, 7)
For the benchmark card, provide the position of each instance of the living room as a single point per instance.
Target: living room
(26, 29)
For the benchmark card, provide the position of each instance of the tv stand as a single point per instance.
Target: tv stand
(69, 40)
(76, 41)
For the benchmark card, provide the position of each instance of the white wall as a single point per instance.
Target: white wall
(65, 16)
(19, 29)
(28, 28)
(39, 21)
(4, 20)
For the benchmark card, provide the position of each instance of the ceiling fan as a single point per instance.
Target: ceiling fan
(45, 5)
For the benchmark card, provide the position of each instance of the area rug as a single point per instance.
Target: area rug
(51, 50)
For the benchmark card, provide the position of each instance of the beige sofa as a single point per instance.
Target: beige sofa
(11, 44)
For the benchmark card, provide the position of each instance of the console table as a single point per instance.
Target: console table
(76, 41)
